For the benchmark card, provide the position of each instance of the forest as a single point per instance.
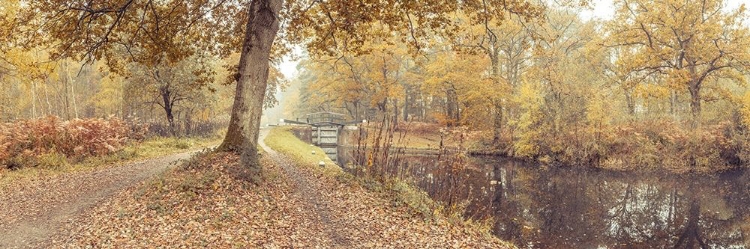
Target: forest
(656, 85)
(476, 114)
(660, 85)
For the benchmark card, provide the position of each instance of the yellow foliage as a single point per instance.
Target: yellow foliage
(680, 46)
(745, 109)
(530, 128)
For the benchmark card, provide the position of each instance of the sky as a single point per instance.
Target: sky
(604, 10)
(288, 67)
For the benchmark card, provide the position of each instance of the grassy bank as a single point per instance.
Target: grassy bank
(398, 192)
(54, 164)
(306, 155)
(645, 146)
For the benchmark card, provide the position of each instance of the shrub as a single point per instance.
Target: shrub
(51, 142)
(672, 146)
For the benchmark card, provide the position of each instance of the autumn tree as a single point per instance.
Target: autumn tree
(169, 84)
(464, 82)
(560, 64)
(334, 85)
(531, 123)
(684, 45)
(506, 42)
(93, 29)
(8, 10)
(109, 100)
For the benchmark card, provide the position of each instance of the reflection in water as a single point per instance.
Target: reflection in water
(539, 207)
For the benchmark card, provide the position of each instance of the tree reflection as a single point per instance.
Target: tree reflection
(574, 208)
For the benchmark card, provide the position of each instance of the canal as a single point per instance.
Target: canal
(537, 206)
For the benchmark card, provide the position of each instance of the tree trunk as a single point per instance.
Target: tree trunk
(235, 137)
(396, 113)
(121, 98)
(165, 95)
(630, 102)
(357, 116)
(406, 104)
(71, 83)
(422, 108)
(497, 124)
(46, 96)
(452, 107)
(695, 105)
(673, 103)
(66, 95)
(260, 32)
(33, 99)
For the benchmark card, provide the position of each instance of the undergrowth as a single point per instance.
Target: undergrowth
(56, 163)
(30, 143)
(651, 145)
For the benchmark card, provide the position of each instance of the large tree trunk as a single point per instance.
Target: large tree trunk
(235, 136)
(260, 32)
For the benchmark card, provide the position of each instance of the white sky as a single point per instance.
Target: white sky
(288, 68)
(604, 10)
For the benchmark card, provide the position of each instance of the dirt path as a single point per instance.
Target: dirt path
(318, 205)
(30, 213)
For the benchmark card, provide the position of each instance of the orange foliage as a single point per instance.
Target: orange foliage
(670, 145)
(74, 139)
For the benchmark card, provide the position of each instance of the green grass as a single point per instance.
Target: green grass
(283, 141)
(55, 164)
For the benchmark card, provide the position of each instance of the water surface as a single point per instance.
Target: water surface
(545, 207)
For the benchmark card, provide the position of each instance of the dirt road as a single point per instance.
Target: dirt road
(308, 190)
(32, 212)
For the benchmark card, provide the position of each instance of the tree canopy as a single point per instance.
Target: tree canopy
(687, 47)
